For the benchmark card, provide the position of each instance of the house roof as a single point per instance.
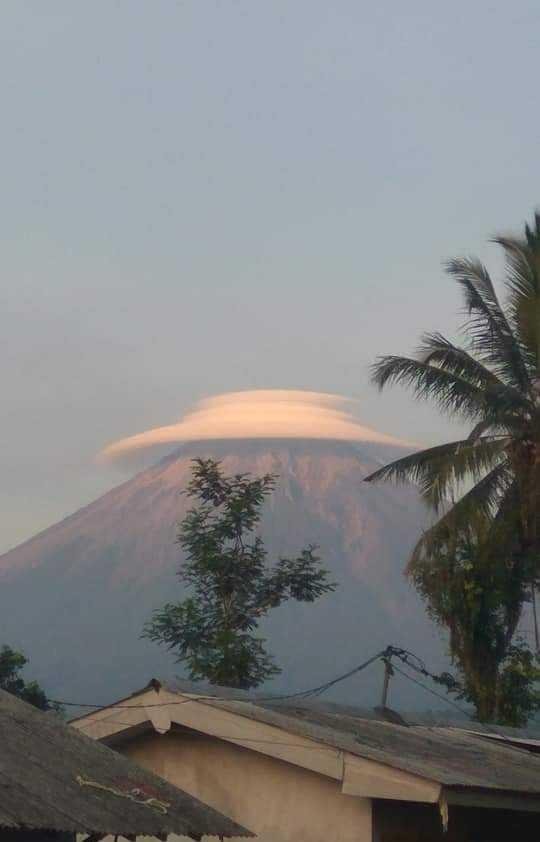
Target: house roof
(529, 733)
(449, 756)
(370, 757)
(56, 779)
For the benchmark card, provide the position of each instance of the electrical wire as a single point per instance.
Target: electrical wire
(433, 692)
(303, 694)
(503, 737)
(411, 660)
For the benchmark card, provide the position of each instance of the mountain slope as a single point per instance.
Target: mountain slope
(75, 597)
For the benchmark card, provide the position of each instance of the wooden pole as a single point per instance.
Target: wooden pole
(388, 672)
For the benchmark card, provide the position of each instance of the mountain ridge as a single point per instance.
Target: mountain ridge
(86, 585)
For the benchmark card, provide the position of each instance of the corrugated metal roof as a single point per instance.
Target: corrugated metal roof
(52, 777)
(449, 756)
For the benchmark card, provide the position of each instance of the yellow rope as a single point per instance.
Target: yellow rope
(134, 795)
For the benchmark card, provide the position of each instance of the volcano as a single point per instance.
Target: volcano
(75, 597)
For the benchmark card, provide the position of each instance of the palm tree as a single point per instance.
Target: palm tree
(489, 482)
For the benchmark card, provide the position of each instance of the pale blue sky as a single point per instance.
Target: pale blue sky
(205, 196)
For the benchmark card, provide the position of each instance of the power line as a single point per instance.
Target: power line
(318, 691)
(408, 658)
(446, 700)
(433, 692)
(304, 694)
(241, 740)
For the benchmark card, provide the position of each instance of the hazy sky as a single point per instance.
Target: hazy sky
(200, 197)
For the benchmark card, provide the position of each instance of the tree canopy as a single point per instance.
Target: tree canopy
(11, 665)
(232, 585)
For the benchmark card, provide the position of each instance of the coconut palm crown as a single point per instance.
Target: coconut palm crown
(489, 482)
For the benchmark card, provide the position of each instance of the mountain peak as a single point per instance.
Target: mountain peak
(75, 597)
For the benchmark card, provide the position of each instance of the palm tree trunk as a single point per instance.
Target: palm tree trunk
(535, 618)
(529, 521)
(535, 503)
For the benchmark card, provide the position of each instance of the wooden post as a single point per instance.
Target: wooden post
(388, 672)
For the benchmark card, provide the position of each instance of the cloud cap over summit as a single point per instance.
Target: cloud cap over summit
(271, 413)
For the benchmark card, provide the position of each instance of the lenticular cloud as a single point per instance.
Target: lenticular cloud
(260, 414)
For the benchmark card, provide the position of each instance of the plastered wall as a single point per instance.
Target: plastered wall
(278, 801)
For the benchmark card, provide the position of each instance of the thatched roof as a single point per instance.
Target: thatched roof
(53, 778)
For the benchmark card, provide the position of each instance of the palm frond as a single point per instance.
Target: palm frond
(439, 471)
(523, 284)
(513, 424)
(409, 469)
(454, 394)
(488, 326)
(471, 514)
(480, 429)
(470, 462)
(502, 399)
(435, 349)
(532, 235)
(506, 526)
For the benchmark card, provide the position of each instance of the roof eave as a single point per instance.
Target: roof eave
(469, 796)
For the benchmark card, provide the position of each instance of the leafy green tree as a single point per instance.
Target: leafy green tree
(477, 596)
(485, 488)
(518, 697)
(11, 665)
(232, 585)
